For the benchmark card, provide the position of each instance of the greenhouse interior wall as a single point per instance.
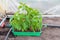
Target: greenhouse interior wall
(44, 6)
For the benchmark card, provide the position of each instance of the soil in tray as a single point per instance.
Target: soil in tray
(25, 31)
(29, 30)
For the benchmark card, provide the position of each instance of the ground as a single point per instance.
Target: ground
(48, 33)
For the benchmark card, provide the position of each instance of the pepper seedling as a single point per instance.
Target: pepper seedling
(26, 18)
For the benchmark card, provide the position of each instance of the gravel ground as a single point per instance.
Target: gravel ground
(47, 33)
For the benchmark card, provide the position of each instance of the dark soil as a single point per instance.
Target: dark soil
(55, 21)
(29, 30)
(48, 33)
(3, 31)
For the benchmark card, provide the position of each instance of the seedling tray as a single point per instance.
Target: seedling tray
(26, 33)
(25, 19)
(16, 33)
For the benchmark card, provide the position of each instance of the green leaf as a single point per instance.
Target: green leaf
(23, 21)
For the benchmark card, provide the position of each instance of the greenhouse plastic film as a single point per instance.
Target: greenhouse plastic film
(42, 5)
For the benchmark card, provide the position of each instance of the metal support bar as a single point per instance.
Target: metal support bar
(50, 16)
(51, 25)
(3, 20)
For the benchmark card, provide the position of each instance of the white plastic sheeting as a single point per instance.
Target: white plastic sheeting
(49, 6)
(2, 7)
(3, 4)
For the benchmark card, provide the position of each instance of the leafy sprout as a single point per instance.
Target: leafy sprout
(26, 18)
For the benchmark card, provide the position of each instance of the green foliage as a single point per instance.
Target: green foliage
(26, 18)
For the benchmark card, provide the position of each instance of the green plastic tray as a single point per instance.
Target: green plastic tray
(26, 33)
(15, 33)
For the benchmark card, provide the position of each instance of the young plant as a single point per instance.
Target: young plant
(26, 18)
